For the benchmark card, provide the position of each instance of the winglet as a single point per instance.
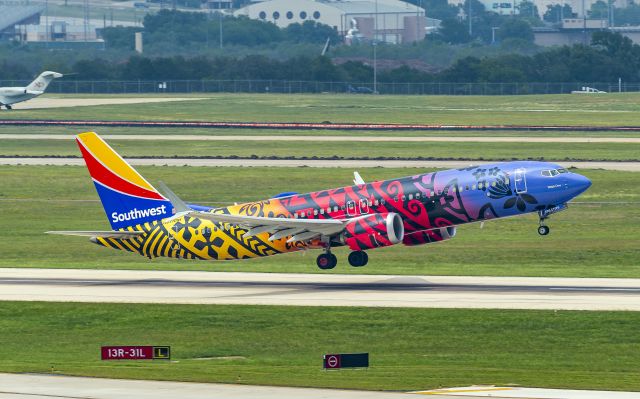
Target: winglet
(178, 204)
(357, 179)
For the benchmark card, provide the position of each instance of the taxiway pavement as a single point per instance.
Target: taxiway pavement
(183, 287)
(33, 386)
(53, 102)
(314, 163)
(326, 138)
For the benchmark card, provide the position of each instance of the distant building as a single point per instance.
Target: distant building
(390, 21)
(57, 31)
(17, 14)
(579, 30)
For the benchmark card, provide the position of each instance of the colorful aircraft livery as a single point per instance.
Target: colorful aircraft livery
(414, 210)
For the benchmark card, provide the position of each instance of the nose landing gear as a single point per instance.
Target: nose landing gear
(543, 229)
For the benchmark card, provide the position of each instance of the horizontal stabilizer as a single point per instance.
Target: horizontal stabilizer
(103, 234)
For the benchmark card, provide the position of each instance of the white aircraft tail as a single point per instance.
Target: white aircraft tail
(41, 82)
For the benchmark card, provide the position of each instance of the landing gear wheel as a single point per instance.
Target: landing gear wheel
(8, 106)
(543, 230)
(358, 258)
(327, 261)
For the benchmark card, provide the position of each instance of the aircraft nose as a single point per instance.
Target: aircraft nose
(579, 184)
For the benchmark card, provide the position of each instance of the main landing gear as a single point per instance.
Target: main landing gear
(327, 260)
(358, 258)
(6, 106)
(543, 229)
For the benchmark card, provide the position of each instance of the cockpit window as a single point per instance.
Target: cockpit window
(553, 172)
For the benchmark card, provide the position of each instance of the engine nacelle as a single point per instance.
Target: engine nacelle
(373, 231)
(13, 91)
(429, 236)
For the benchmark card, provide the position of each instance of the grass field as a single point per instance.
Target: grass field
(590, 239)
(410, 349)
(301, 149)
(606, 110)
(73, 130)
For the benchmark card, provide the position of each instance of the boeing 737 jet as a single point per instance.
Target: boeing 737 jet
(12, 95)
(414, 210)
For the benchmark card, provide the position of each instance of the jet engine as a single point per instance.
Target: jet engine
(373, 231)
(429, 236)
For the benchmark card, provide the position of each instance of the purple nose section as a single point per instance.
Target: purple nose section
(578, 184)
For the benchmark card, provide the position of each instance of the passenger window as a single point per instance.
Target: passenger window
(494, 184)
(473, 187)
(322, 211)
(335, 209)
(417, 195)
(315, 211)
(410, 196)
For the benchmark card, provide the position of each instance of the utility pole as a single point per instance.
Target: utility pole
(375, 55)
(469, 18)
(220, 23)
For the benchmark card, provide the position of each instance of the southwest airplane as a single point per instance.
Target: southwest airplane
(12, 95)
(415, 210)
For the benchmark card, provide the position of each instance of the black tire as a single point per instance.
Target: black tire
(358, 258)
(543, 230)
(326, 261)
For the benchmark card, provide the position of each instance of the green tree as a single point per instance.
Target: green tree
(556, 12)
(515, 28)
(599, 10)
(453, 31)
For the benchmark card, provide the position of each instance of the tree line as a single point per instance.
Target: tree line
(609, 57)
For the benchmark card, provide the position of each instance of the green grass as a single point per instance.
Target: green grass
(605, 110)
(73, 130)
(301, 149)
(588, 240)
(410, 349)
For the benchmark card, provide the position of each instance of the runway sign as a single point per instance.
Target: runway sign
(345, 360)
(136, 352)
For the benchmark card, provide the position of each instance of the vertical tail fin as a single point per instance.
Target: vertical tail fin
(127, 198)
(43, 80)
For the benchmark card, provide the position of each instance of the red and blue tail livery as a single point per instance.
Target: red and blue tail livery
(415, 210)
(127, 198)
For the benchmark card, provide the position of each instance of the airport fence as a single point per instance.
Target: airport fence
(295, 87)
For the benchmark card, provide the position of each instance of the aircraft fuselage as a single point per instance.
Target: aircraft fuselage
(430, 206)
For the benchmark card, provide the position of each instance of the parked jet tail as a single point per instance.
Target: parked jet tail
(127, 198)
(39, 85)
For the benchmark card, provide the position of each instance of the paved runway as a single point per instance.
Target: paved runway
(314, 163)
(52, 102)
(33, 386)
(132, 286)
(324, 138)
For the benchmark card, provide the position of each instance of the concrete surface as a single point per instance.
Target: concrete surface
(324, 138)
(527, 393)
(329, 163)
(35, 386)
(141, 286)
(52, 102)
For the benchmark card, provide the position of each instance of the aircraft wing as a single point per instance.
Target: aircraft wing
(298, 229)
(103, 234)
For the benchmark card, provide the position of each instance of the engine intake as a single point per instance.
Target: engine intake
(429, 236)
(373, 231)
